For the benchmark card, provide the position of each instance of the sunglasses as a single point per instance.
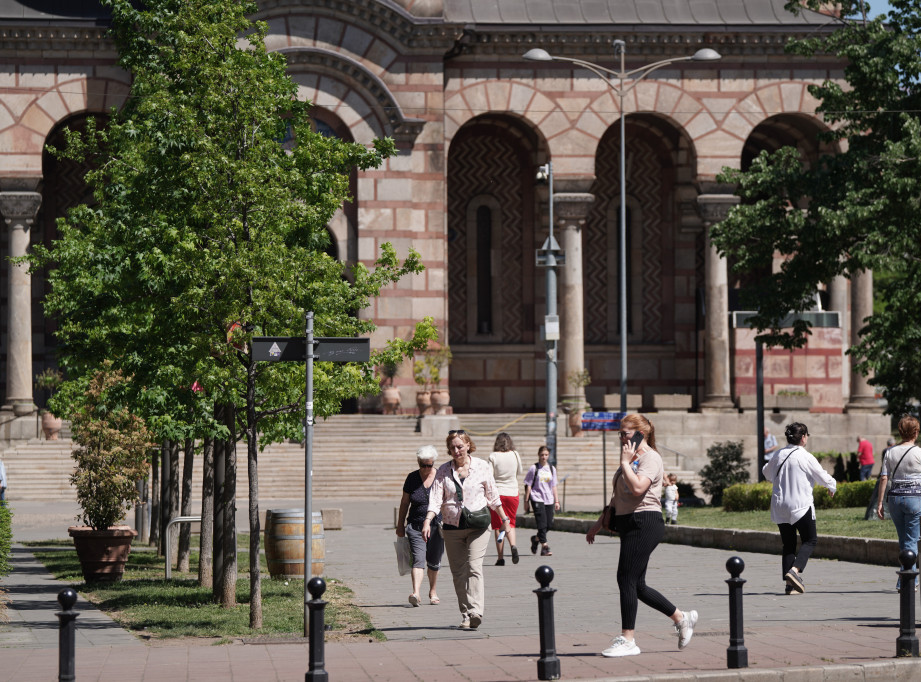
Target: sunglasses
(458, 432)
(426, 466)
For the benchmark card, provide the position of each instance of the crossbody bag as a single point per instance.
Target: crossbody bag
(896, 468)
(471, 518)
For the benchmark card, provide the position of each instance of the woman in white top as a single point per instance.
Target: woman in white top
(902, 464)
(506, 467)
(794, 471)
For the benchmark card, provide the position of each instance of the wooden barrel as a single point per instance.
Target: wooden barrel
(284, 543)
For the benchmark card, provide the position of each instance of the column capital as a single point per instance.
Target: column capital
(714, 208)
(571, 208)
(20, 207)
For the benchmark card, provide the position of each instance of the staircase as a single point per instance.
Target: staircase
(354, 456)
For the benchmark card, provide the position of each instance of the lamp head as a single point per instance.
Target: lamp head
(706, 55)
(538, 54)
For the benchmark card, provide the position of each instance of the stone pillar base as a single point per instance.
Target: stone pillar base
(718, 403)
(862, 404)
(20, 408)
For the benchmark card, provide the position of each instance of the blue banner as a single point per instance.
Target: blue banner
(602, 421)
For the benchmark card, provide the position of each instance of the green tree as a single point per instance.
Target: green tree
(726, 468)
(205, 231)
(855, 210)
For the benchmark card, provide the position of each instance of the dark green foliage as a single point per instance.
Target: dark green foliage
(6, 539)
(727, 467)
(859, 209)
(757, 496)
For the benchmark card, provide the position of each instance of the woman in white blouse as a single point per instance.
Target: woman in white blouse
(794, 471)
(465, 482)
(506, 468)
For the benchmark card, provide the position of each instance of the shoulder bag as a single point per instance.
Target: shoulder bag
(892, 475)
(471, 519)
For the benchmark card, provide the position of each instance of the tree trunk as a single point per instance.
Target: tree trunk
(252, 452)
(206, 551)
(173, 494)
(220, 469)
(185, 529)
(164, 495)
(229, 590)
(154, 500)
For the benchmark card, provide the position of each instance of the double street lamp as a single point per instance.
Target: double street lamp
(622, 82)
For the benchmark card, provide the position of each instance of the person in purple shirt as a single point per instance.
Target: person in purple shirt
(540, 493)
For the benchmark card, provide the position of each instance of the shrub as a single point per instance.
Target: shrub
(6, 539)
(747, 497)
(727, 466)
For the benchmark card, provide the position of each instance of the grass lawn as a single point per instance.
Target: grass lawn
(848, 521)
(144, 602)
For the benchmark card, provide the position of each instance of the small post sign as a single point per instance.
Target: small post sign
(604, 422)
(294, 349)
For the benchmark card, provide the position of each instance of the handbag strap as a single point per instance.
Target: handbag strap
(459, 489)
(785, 459)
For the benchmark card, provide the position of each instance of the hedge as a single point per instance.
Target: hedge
(757, 496)
(6, 539)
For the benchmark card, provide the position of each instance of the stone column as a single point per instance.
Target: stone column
(837, 301)
(19, 210)
(717, 389)
(570, 211)
(862, 395)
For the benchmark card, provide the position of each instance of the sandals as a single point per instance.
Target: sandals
(414, 600)
(434, 601)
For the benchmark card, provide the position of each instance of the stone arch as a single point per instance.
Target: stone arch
(347, 88)
(660, 170)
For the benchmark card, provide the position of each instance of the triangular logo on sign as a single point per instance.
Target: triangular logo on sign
(275, 351)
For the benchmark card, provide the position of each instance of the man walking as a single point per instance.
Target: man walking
(865, 457)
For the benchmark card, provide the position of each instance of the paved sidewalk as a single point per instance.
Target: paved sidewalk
(844, 627)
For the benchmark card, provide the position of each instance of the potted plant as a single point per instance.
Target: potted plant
(111, 452)
(428, 372)
(50, 379)
(574, 404)
(390, 394)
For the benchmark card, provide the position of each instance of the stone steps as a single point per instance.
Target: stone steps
(354, 456)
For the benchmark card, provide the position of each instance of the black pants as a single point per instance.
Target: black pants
(806, 528)
(543, 516)
(640, 533)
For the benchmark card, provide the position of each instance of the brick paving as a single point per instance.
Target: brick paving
(843, 628)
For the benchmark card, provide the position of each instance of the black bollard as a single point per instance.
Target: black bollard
(736, 654)
(317, 632)
(66, 649)
(548, 665)
(907, 643)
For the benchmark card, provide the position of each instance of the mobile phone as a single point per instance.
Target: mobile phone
(636, 439)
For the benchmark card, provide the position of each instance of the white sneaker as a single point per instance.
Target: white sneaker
(685, 628)
(621, 646)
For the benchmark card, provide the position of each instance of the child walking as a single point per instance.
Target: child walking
(671, 500)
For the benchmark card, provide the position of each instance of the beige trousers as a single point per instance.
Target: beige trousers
(466, 549)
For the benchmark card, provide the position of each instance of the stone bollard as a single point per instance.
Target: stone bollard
(66, 649)
(317, 632)
(907, 642)
(736, 654)
(548, 665)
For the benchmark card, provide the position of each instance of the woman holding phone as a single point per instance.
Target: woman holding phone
(635, 513)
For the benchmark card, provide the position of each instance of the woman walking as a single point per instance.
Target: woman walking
(902, 466)
(462, 491)
(540, 494)
(415, 504)
(794, 471)
(506, 467)
(635, 512)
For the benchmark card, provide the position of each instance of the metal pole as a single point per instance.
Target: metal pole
(620, 47)
(66, 649)
(316, 657)
(604, 468)
(548, 665)
(551, 295)
(907, 642)
(736, 654)
(308, 465)
(759, 404)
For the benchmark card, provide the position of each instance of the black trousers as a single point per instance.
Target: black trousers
(807, 532)
(640, 533)
(543, 516)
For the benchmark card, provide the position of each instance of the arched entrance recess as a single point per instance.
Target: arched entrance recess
(492, 290)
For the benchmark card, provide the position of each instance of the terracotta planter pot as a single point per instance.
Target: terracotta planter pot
(103, 553)
(51, 426)
(575, 424)
(390, 400)
(441, 398)
(424, 402)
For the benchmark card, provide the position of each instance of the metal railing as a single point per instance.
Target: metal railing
(168, 543)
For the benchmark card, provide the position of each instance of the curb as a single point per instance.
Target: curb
(859, 550)
(896, 670)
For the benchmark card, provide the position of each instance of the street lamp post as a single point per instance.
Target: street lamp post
(617, 81)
